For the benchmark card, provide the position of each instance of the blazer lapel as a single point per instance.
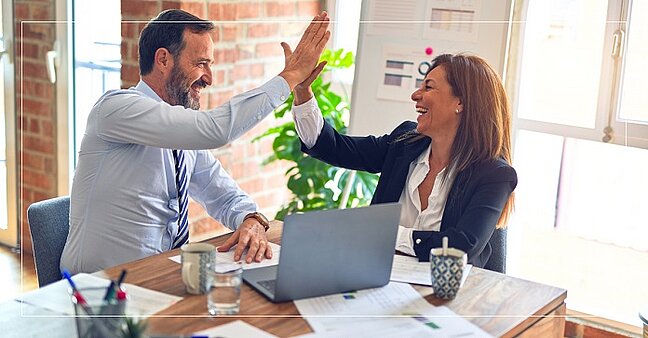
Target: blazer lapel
(395, 179)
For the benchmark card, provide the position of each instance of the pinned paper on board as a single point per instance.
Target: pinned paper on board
(393, 18)
(453, 20)
(404, 68)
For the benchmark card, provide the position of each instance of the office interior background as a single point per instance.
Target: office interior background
(573, 71)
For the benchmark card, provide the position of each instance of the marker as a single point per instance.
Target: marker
(121, 294)
(75, 292)
(121, 278)
(109, 291)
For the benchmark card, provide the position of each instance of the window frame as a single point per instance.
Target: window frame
(607, 112)
(9, 236)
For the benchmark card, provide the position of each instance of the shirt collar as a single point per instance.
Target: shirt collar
(148, 91)
(424, 158)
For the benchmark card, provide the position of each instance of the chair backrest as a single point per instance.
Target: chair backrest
(49, 226)
(497, 260)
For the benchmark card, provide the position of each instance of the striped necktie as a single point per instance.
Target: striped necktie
(183, 201)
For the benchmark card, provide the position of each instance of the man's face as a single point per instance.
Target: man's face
(191, 71)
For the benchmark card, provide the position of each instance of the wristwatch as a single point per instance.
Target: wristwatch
(260, 218)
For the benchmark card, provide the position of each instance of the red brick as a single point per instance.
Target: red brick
(218, 77)
(221, 12)
(49, 165)
(39, 196)
(215, 34)
(240, 72)
(195, 8)
(248, 10)
(134, 52)
(221, 97)
(36, 70)
(129, 73)
(47, 128)
(142, 9)
(229, 32)
(33, 126)
(34, 107)
(276, 182)
(29, 50)
(251, 185)
(305, 8)
(35, 31)
(35, 179)
(261, 30)
(279, 8)
(33, 161)
(257, 70)
(39, 144)
(41, 90)
(42, 11)
(268, 49)
(21, 11)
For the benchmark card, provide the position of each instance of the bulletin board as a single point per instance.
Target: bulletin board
(398, 39)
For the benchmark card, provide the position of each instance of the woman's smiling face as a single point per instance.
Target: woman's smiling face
(437, 107)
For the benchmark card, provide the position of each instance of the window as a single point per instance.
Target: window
(97, 58)
(576, 80)
(8, 208)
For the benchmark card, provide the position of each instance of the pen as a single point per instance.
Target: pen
(77, 294)
(109, 291)
(121, 278)
(121, 294)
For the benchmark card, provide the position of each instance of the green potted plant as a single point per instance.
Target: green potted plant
(316, 185)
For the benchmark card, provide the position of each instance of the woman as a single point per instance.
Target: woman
(450, 171)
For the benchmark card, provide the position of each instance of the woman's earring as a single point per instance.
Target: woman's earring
(457, 111)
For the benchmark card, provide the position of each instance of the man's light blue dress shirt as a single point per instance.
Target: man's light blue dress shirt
(124, 202)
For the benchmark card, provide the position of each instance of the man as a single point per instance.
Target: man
(143, 150)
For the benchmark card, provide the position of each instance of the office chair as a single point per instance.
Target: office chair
(49, 226)
(497, 260)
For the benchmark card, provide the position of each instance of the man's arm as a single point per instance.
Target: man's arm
(219, 194)
(129, 117)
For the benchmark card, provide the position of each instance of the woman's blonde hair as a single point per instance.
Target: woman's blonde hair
(484, 131)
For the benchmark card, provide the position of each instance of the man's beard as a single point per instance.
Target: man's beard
(178, 90)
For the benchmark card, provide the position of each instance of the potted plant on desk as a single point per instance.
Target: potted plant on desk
(316, 185)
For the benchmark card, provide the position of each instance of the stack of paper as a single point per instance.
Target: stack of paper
(56, 296)
(393, 310)
(409, 270)
(228, 257)
(235, 329)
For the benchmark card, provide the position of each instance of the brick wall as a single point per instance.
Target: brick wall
(36, 105)
(247, 53)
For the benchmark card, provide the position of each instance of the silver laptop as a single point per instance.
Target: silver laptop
(326, 252)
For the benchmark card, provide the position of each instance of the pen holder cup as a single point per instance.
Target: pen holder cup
(96, 317)
(447, 271)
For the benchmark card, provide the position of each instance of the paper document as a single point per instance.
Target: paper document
(364, 307)
(19, 320)
(445, 324)
(409, 270)
(56, 296)
(228, 257)
(380, 311)
(235, 329)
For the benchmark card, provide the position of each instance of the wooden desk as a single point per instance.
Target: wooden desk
(499, 304)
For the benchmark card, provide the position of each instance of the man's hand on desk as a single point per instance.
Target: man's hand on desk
(249, 234)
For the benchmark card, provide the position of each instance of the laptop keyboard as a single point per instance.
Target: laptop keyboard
(269, 285)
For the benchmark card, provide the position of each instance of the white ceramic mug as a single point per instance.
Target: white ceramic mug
(196, 259)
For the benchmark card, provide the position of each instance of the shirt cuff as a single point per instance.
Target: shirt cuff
(404, 241)
(306, 109)
(308, 122)
(241, 217)
(278, 90)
